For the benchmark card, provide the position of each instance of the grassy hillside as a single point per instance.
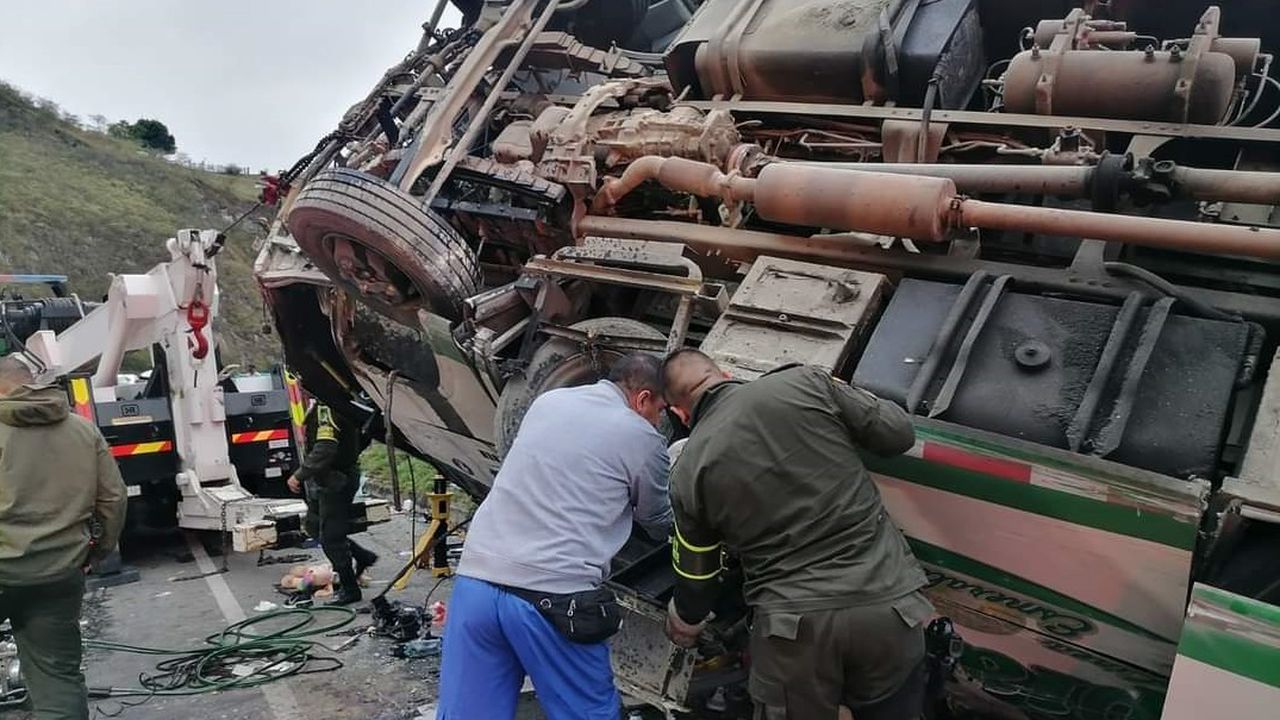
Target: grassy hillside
(83, 204)
(409, 470)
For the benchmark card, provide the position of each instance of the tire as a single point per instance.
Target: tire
(602, 23)
(429, 263)
(559, 363)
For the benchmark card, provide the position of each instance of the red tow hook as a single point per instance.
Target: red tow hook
(198, 319)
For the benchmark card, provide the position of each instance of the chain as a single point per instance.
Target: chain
(226, 550)
(345, 131)
(240, 219)
(305, 161)
(225, 553)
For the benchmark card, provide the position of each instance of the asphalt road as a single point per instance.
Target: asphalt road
(174, 608)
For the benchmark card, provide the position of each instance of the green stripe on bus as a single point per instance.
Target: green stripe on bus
(1256, 610)
(1233, 633)
(1075, 509)
(942, 558)
(1158, 486)
(1232, 653)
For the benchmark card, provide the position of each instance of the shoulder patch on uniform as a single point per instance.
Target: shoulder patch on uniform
(326, 429)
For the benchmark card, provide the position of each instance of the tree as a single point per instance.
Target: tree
(120, 129)
(154, 134)
(150, 133)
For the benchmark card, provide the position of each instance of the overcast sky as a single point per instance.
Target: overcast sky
(252, 83)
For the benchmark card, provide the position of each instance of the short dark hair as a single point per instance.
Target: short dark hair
(684, 358)
(688, 354)
(637, 371)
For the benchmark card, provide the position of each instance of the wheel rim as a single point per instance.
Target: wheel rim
(579, 370)
(383, 247)
(371, 274)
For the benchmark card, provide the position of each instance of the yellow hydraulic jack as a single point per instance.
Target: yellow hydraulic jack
(439, 559)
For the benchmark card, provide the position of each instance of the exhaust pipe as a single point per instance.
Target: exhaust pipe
(920, 208)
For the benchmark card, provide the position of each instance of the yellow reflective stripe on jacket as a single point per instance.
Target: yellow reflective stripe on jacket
(326, 429)
(695, 562)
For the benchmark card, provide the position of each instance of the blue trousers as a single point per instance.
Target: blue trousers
(492, 639)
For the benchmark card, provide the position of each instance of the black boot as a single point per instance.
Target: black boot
(346, 596)
(365, 558)
(348, 589)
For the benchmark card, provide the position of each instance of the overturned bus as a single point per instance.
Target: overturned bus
(1047, 229)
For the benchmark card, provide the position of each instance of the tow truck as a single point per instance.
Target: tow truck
(197, 444)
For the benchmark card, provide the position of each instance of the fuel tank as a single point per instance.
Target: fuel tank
(840, 51)
(1139, 384)
(1125, 85)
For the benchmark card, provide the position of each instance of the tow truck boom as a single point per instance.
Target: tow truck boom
(172, 306)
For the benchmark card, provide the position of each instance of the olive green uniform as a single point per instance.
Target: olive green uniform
(771, 473)
(62, 504)
(330, 472)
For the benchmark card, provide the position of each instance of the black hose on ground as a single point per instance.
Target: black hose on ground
(234, 658)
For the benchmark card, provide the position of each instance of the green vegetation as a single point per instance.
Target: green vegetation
(85, 204)
(151, 134)
(378, 478)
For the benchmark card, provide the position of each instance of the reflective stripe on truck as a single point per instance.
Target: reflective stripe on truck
(146, 448)
(254, 436)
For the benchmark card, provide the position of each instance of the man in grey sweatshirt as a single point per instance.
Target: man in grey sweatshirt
(586, 463)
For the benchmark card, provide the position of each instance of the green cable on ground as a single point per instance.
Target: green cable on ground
(280, 653)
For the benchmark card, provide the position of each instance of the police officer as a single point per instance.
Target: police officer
(330, 474)
(771, 472)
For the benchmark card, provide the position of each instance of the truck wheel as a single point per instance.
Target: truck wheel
(602, 23)
(559, 363)
(381, 245)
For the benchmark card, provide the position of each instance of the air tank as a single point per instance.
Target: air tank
(1120, 84)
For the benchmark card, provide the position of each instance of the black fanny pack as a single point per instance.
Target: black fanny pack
(586, 617)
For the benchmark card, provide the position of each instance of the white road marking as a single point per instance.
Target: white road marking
(280, 698)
